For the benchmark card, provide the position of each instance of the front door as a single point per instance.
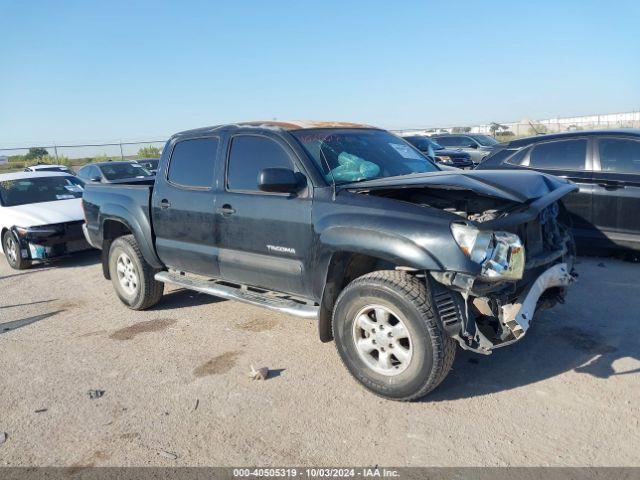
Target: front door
(616, 200)
(568, 159)
(264, 238)
(183, 207)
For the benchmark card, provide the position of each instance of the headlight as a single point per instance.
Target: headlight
(43, 230)
(501, 254)
(445, 159)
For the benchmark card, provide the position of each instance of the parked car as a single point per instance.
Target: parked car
(396, 258)
(40, 216)
(452, 157)
(114, 172)
(477, 146)
(604, 164)
(150, 164)
(45, 167)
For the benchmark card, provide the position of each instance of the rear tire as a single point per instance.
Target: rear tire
(12, 250)
(393, 308)
(131, 275)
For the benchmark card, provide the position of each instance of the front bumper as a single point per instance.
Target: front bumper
(517, 316)
(484, 323)
(51, 241)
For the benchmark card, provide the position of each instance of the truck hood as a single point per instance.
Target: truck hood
(46, 213)
(516, 186)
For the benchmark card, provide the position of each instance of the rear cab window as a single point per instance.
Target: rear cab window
(192, 163)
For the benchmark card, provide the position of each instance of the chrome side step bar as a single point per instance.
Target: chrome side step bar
(253, 296)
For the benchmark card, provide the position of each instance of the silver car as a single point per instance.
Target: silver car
(476, 145)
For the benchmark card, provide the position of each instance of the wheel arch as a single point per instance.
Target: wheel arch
(343, 268)
(113, 227)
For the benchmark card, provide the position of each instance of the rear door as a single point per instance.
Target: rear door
(264, 237)
(183, 207)
(616, 202)
(570, 159)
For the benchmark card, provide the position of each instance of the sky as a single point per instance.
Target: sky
(78, 71)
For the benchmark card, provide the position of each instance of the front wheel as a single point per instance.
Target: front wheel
(131, 275)
(388, 335)
(12, 250)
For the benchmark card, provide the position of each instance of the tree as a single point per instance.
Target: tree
(36, 153)
(149, 152)
(496, 127)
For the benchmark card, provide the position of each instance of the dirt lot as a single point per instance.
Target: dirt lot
(177, 392)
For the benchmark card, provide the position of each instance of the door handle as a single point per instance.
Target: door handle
(226, 209)
(164, 204)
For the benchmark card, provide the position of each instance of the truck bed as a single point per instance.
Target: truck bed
(129, 203)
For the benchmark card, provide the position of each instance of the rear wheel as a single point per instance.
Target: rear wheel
(131, 275)
(388, 335)
(12, 250)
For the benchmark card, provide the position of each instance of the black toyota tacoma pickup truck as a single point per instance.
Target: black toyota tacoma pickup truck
(398, 259)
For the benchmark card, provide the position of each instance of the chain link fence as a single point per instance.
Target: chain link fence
(505, 130)
(17, 158)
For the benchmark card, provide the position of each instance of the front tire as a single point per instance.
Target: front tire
(131, 275)
(12, 250)
(388, 335)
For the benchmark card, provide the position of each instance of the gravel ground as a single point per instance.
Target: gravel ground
(177, 391)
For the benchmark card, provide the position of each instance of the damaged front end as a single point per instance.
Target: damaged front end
(49, 241)
(513, 252)
(521, 271)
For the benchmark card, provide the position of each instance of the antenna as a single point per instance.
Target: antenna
(329, 170)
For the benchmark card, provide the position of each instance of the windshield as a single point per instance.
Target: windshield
(24, 191)
(353, 155)
(485, 140)
(118, 171)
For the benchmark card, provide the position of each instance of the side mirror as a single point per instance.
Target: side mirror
(95, 179)
(280, 180)
(472, 145)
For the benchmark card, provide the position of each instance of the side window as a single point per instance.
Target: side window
(619, 155)
(518, 158)
(249, 155)
(193, 162)
(89, 172)
(449, 141)
(562, 155)
(466, 142)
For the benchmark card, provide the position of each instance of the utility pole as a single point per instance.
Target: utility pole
(121, 153)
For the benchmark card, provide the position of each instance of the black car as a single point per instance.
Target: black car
(476, 145)
(605, 165)
(454, 158)
(114, 172)
(150, 164)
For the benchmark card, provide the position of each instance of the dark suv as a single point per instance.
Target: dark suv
(604, 164)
